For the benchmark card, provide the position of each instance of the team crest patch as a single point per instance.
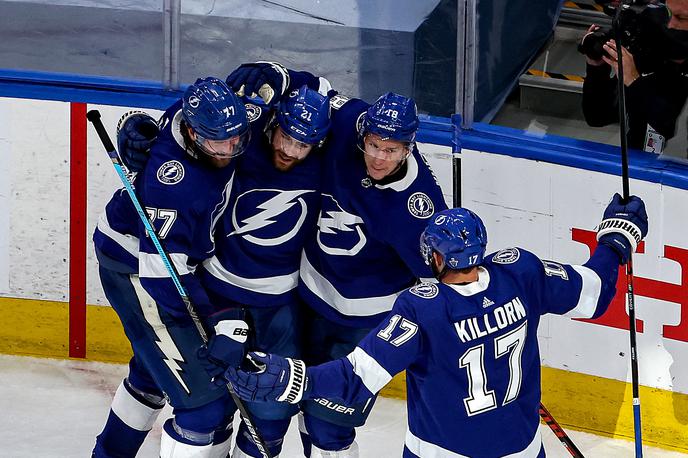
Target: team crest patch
(420, 205)
(253, 112)
(425, 290)
(171, 172)
(506, 256)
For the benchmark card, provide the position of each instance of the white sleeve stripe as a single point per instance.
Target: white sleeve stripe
(591, 286)
(151, 265)
(425, 449)
(373, 375)
(128, 242)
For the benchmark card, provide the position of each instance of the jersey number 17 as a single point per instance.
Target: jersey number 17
(481, 399)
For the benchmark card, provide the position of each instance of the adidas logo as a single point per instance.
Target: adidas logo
(487, 302)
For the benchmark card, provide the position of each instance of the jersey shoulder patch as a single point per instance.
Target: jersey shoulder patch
(420, 205)
(170, 172)
(253, 111)
(425, 290)
(506, 256)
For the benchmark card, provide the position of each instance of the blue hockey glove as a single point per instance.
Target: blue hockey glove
(226, 348)
(269, 80)
(623, 226)
(136, 132)
(270, 378)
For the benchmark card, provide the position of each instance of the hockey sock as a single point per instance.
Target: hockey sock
(131, 417)
(272, 431)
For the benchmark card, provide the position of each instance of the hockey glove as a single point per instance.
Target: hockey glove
(270, 378)
(623, 226)
(226, 348)
(136, 132)
(269, 80)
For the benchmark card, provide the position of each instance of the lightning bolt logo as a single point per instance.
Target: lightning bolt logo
(336, 222)
(171, 354)
(271, 209)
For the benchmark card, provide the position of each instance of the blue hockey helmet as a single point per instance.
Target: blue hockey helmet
(392, 117)
(216, 115)
(459, 235)
(305, 116)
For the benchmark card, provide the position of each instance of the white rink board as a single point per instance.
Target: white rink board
(5, 197)
(535, 205)
(34, 144)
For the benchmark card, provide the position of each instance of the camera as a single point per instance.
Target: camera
(641, 26)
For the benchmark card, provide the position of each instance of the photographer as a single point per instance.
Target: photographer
(655, 72)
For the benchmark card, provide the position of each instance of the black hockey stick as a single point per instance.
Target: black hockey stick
(94, 117)
(629, 266)
(559, 432)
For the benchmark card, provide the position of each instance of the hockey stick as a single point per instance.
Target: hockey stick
(559, 432)
(94, 117)
(629, 266)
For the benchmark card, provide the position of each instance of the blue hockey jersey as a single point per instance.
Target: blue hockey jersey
(261, 235)
(365, 251)
(471, 353)
(184, 199)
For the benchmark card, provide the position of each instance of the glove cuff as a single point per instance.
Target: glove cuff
(236, 330)
(296, 384)
(125, 117)
(623, 227)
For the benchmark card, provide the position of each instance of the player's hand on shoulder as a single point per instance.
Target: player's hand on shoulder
(267, 377)
(227, 346)
(136, 133)
(269, 80)
(623, 226)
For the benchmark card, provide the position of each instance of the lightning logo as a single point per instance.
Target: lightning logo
(338, 226)
(272, 208)
(171, 354)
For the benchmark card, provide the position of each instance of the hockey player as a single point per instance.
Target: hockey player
(274, 206)
(183, 187)
(260, 237)
(469, 343)
(378, 194)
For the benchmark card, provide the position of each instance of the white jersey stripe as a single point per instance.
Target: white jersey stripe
(589, 294)
(269, 285)
(425, 449)
(151, 265)
(321, 287)
(373, 375)
(128, 242)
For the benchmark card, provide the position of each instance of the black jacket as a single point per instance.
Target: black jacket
(656, 98)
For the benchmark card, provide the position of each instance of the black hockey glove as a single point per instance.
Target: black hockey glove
(269, 80)
(226, 347)
(136, 132)
(623, 226)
